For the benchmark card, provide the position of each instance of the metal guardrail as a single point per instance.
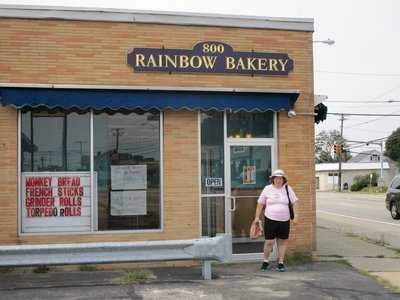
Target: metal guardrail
(204, 249)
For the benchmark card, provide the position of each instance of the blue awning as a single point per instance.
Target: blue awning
(145, 99)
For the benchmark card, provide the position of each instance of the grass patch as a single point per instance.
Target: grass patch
(87, 268)
(332, 255)
(380, 280)
(396, 250)
(135, 277)
(41, 269)
(374, 189)
(380, 242)
(4, 270)
(343, 262)
(298, 258)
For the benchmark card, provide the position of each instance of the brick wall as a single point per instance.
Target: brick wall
(94, 53)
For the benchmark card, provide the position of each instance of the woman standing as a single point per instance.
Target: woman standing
(274, 200)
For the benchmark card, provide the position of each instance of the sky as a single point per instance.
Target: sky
(360, 70)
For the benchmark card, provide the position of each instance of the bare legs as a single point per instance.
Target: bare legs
(268, 244)
(282, 245)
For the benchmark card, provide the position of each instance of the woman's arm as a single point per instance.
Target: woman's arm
(296, 214)
(259, 210)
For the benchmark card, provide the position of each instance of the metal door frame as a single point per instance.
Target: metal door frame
(228, 142)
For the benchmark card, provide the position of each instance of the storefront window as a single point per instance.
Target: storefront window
(55, 141)
(55, 163)
(251, 125)
(212, 152)
(127, 164)
(56, 173)
(212, 173)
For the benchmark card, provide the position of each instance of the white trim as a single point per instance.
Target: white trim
(212, 195)
(19, 209)
(199, 171)
(275, 162)
(92, 216)
(154, 17)
(227, 175)
(89, 233)
(150, 88)
(161, 128)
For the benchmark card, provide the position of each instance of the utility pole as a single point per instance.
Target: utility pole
(381, 183)
(340, 155)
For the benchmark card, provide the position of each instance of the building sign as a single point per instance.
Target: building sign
(56, 201)
(209, 57)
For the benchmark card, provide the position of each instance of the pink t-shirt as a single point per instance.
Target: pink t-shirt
(276, 202)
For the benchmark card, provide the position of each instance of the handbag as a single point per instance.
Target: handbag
(290, 204)
(255, 230)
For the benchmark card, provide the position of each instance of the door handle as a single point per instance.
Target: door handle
(234, 204)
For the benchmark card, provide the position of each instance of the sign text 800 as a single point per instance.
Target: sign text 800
(213, 48)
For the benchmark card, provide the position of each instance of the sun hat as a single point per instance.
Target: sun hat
(278, 173)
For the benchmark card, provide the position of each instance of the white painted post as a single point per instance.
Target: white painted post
(206, 270)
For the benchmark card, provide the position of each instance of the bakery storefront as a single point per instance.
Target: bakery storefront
(135, 126)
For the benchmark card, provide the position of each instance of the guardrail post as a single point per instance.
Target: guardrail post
(206, 270)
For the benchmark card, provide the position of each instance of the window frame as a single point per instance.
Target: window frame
(93, 212)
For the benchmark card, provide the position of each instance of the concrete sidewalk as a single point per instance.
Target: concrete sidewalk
(367, 257)
(323, 279)
(318, 280)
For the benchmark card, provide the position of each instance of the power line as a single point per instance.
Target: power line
(366, 115)
(387, 92)
(373, 120)
(359, 73)
(361, 101)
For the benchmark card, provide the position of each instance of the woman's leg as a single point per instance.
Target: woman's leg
(282, 245)
(268, 244)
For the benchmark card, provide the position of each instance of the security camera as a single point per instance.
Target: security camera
(291, 113)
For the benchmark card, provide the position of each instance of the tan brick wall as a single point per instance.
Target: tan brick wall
(95, 53)
(8, 175)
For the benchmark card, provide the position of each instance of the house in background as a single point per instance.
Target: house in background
(326, 174)
(368, 156)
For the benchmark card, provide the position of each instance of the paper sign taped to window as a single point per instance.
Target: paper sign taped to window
(129, 177)
(128, 203)
(249, 175)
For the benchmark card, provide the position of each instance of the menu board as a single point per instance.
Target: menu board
(55, 201)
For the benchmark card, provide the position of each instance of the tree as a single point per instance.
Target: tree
(324, 143)
(392, 146)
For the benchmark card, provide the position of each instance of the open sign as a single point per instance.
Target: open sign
(213, 182)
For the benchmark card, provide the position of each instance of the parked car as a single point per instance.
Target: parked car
(393, 198)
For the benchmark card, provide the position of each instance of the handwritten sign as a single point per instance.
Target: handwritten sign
(128, 203)
(129, 177)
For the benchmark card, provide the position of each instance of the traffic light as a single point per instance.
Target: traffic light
(338, 149)
(320, 112)
(341, 148)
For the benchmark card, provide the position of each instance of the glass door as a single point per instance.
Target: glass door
(250, 168)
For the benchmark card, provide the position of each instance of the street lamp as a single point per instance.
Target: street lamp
(328, 42)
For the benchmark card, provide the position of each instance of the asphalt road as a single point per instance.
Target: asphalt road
(361, 214)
